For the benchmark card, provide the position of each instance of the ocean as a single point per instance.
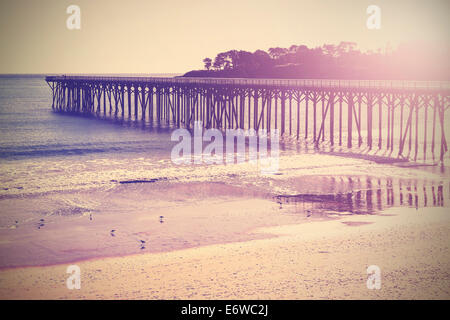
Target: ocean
(30, 130)
(34, 136)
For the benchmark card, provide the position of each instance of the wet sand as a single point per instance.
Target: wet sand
(138, 218)
(309, 231)
(132, 218)
(318, 260)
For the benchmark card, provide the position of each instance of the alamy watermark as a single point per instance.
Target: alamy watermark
(73, 22)
(374, 20)
(189, 148)
(74, 280)
(374, 277)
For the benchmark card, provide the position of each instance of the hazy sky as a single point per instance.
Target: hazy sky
(151, 36)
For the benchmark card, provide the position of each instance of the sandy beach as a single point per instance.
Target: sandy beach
(309, 232)
(317, 260)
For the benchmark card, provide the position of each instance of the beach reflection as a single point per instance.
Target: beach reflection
(369, 195)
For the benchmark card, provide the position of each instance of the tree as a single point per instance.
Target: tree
(330, 50)
(231, 59)
(277, 52)
(262, 59)
(219, 61)
(208, 63)
(293, 48)
(345, 47)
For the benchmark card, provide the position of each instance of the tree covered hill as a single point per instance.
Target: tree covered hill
(342, 61)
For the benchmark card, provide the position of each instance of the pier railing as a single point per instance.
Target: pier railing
(316, 83)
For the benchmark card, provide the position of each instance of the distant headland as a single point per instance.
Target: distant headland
(342, 61)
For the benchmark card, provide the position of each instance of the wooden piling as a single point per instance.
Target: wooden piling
(224, 105)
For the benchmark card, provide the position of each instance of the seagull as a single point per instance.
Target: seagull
(280, 203)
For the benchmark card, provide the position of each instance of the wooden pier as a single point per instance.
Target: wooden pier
(404, 119)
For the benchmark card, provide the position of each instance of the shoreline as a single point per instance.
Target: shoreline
(74, 225)
(227, 223)
(399, 242)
